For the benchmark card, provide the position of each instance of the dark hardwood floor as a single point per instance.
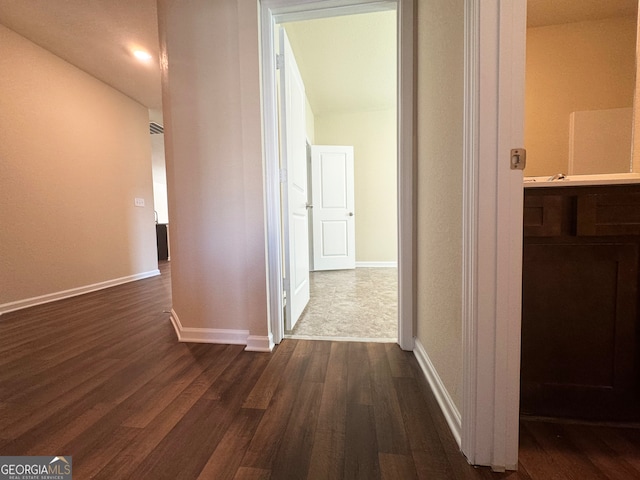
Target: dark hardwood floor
(101, 377)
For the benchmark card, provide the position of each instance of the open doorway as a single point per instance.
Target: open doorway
(294, 12)
(338, 99)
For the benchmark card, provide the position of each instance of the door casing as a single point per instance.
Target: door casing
(494, 56)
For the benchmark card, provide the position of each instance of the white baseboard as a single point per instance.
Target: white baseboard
(449, 409)
(73, 292)
(376, 264)
(208, 335)
(256, 343)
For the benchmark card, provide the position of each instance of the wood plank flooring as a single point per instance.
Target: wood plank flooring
(101, 377)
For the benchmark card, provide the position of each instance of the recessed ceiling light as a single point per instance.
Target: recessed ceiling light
(142, 55)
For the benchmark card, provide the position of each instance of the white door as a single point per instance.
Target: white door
(294, 168)
(332, 190)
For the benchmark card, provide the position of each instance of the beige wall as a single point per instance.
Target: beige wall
(439, 165)
(310, 122)
(211, 103)
(573, 67)
(373, 136)
(74, 153)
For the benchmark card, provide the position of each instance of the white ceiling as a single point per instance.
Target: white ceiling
(96, 36)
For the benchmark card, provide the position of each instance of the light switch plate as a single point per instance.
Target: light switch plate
(139, 202)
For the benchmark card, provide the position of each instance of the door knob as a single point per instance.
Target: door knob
(351, 214)
(308, 206)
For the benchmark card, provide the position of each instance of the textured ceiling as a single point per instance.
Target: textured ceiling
(96, 36)
(347, 63)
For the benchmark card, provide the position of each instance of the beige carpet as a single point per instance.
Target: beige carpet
(360, 303)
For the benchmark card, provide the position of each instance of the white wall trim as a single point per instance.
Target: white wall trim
(273, 230)
(376, 264)
(448, 407)
(259, 343)
(406, 176)
(208, 335)
(290, 10)
(509, 201)
(470, 202)
(492, 248)
(73, 292)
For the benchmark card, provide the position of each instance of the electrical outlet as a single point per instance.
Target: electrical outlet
(139, 202)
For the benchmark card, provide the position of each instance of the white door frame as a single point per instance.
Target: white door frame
(495, 32)
(278, 11)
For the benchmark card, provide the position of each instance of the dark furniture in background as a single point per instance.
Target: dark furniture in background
(162, 241)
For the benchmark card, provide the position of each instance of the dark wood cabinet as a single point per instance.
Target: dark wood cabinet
(162, 241)
(580, 303)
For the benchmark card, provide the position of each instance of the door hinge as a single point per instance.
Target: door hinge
(283, 175)
(518, 158)
(279, 61)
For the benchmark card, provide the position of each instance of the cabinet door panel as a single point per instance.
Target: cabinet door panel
(578, 327)
(609, 214)
(543, 215)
